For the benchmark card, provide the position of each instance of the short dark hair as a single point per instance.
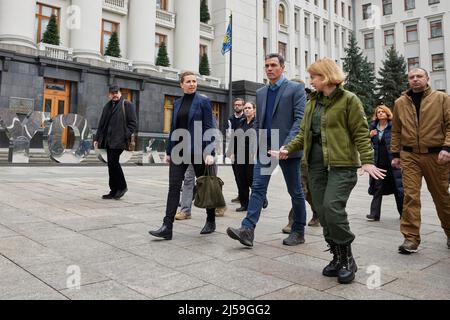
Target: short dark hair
(238, 99)
(185, 74)
(276, 55)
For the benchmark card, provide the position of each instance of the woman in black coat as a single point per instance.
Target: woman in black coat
(392, 184)
(244, 157)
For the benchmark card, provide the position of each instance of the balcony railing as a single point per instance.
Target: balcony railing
(211, 81)
(55, 52)
(119, 63)
(165, 19)
(206, 31)
(117, 6)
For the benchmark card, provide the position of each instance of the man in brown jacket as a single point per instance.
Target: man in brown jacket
(421, 145)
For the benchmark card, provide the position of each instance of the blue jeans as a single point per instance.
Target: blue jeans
(291, 173)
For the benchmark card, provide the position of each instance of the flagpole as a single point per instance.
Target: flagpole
(230, 85)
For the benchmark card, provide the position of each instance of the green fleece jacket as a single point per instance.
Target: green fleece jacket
(344, 131)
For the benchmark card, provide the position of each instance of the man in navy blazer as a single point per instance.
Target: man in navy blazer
(280, 109)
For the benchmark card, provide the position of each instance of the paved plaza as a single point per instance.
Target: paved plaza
(56, 234)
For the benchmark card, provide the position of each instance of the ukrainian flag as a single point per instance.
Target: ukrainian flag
(227, 40)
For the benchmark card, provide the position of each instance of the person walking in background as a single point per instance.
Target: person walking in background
(280, 107)
(314, 222)
(245, 162)
(187, 196)
(335, 138)
(380, 133)
(117, 124)
(232, 124)
(191, 108)
(421, 147)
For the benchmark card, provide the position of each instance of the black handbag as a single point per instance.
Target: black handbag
(131, 142)
(209, 191)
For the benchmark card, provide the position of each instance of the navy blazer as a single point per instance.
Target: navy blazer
(287, 112)
(201, 111)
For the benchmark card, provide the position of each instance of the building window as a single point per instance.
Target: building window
(296, 24)
(43, 15)
(265, 13)
(316, 57)
(335, 7)
(430, 2)
(368, 41)
(265, 46)
(108, 28)
(343, 39)
(387, 7)
(413, 63)
(411, 33)
(325, 4)
(325, 33)
(436, 28)
(159, 39)
(281, 14)
(389, 37)
(296, 57)
(161, 4)
(367, 11)
(282, 49)
(307, 32)
(350, 13)
(410, 4)
(306, 58)
(316, 30)
(336, 36)
(202, 51)
(438, 62)
(343, 9)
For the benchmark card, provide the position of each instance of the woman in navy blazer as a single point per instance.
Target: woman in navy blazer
(191, 118)
(392, 183)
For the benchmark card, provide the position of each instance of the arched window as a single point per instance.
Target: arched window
(281, 14)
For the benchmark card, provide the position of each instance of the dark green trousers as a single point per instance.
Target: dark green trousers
(330, 190)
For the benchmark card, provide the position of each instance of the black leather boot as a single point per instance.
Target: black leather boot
(348, 267)
(164, 232)
(331, 270)
(209, 227)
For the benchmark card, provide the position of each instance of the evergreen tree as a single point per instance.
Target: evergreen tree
(393, 78)
(360, 76)
(163, 57)
(51, 34)
(204, 12)
(204, 66)
(113, 48)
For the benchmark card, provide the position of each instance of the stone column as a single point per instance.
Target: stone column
(141, 33)
(86, 39)
(187, 35)
(17, 24)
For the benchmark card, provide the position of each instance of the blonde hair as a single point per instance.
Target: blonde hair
(327, 68)
(385, 109)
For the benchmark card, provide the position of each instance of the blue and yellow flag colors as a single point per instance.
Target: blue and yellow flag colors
(227, 40)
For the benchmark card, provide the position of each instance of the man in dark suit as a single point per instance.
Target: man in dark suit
(117, 124)
(280, 108)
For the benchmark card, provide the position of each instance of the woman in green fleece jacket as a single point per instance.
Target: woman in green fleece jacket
(335, 138)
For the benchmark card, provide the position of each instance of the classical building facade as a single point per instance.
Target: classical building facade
(74, 75)
(418, 29)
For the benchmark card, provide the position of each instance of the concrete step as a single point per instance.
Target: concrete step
(41, 158)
